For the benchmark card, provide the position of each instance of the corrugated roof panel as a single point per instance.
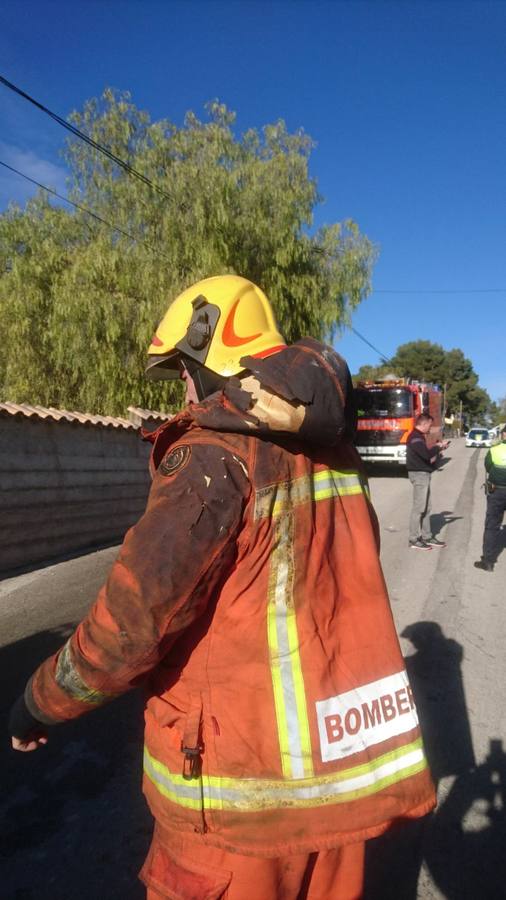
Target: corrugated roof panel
(57, 415)
(150, 414)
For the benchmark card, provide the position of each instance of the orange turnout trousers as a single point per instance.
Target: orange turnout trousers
(180, 868)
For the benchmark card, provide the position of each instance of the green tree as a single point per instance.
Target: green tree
(421, 360)
(426, 361)
(79, 302)
(498, 411)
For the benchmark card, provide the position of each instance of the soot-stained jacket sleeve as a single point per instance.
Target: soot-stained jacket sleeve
(169, 566)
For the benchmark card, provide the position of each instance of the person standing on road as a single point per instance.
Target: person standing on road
(420, 463)
(281, 730)
(495, 464)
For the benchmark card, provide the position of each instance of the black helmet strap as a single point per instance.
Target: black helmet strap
(206, 382)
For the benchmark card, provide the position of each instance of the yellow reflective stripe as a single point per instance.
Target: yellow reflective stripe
(293, 785)
(174, 787)
(277, 687)
(300, 694)
(338, 491)
(331, 483)
(278, 502)
(286, 669)
(273, 501)
(253, 795)
(321, 781)
(69, 680)
(286, 496)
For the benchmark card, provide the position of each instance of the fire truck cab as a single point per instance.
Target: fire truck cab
(386, 413)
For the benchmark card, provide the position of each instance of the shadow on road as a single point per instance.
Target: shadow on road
(73, 823)
(464, 850)
(439, 520)
(436, 678)
(462, 842)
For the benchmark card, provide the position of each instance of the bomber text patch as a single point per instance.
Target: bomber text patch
(367, 715)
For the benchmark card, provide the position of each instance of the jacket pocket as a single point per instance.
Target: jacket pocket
(182, 878)
(173, 767)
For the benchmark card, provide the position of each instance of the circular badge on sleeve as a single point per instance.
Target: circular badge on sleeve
(175, 460)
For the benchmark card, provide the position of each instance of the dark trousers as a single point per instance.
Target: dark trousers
(496, 507)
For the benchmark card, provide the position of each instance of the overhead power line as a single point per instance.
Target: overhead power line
(362, 338)
(147, 181)
(89, 212)
(84, 137)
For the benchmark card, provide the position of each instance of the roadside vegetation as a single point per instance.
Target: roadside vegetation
(79, 300)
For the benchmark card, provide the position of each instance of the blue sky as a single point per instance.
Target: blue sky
(405, 101)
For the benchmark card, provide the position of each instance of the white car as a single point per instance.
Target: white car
(478, 437)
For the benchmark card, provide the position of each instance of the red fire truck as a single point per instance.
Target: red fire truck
(386, 412)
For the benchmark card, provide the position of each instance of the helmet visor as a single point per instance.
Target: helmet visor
(164, 367)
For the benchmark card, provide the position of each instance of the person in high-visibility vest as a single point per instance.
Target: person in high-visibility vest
(281, 730)
(495, 464)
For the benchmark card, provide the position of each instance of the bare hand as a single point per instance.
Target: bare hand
(32, 744)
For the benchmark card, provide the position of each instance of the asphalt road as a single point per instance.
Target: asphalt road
(73, 824)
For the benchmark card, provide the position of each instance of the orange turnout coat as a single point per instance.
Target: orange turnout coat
(250, 601)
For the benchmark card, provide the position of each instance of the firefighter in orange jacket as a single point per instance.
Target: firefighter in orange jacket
(280, 726)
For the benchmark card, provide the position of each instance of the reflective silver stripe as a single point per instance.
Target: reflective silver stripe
(338, 484)
(286, 671)
(69, 680)
(175, 787)
(278, 502)
(276, 499)
(251, 795)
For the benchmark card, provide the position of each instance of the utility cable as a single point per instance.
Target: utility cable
(147, 181)
(89, 212)
(362, 338)
(84, 137)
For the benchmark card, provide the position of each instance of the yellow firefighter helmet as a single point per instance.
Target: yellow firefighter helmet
(215, 322)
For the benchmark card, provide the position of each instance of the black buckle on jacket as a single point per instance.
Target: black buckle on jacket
(192, 761)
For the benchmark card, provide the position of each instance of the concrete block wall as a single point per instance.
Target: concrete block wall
(66, 486)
